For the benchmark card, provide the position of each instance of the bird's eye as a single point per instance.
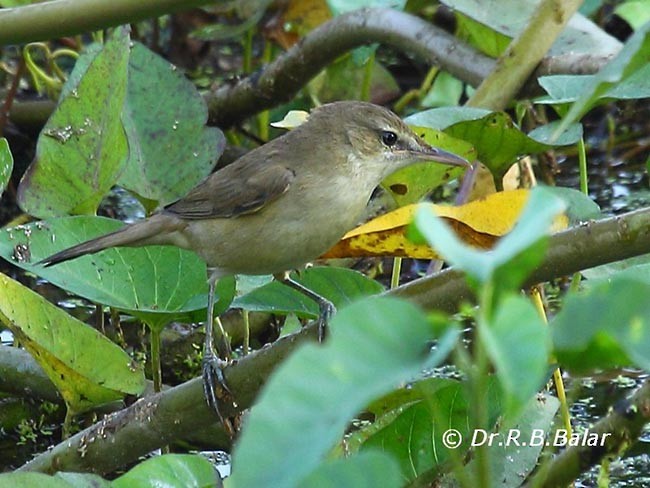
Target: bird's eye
(389, 138)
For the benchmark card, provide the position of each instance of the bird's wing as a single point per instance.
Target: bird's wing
(235, 190)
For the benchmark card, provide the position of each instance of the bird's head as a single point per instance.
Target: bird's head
(376, 139)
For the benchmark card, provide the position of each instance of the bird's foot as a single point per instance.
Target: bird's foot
(215, 388)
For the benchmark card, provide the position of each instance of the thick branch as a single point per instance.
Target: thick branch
(169, 416)
(58, 18)
(21, 375)
(281, 80)
(575, 249)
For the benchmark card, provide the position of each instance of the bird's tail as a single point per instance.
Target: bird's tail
(150, 231)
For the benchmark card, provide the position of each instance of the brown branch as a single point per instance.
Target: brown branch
(169, 416)
(281, 79)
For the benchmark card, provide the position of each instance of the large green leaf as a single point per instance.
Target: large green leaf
(410, 424)
(170, 470)
(82, 148)
(374, 344)
(339, 285)
(86, 367)
(496, 138)
(632, 58)
(167, 471)
(606, 326)
(6, 164)
(170, 148)
(515, 451)
(29, 480)
(157, 279)
(569, 88)
(365, 470)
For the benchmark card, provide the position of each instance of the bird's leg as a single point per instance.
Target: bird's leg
(214, 383)
(325, 307)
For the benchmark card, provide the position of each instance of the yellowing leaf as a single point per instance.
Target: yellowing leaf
(479, 223)
(86, 367)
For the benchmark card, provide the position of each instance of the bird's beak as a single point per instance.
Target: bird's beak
(440, 156)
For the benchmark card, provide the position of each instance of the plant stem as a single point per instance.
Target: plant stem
(582, 161)
(156, 372)
(397, 269)
(479, 382)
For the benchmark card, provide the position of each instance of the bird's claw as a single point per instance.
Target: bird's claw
(215, 387)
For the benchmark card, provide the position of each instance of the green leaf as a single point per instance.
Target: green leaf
(86, 367)
(511, 462)
(636, 268)
(514, 256)
(446, 90)
(60, 480)
(343, 79)
(367, 469)
(544, 134)
(518, 344)
(169, 470)
(568, 88)
(510, 18)
(186, 470)
(339, 285)
(496, 138)
(579, 207)
(6, 164)
(82, 148)
(481, 36)
(410, 423)
(606, 326)
(158, 279)
(170, 148)
(373, 345)
(632, 58)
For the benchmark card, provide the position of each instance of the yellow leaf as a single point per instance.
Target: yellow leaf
(479, 223)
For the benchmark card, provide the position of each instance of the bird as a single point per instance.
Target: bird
(279, 206)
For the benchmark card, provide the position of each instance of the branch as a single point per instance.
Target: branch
(286, 75)
(624, 425)
(588, 245)
(21, 375)
(165, 417)
(169, 416)
(281, 79)
(59, 18)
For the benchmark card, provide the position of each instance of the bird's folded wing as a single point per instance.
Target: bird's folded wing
(234, 190)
